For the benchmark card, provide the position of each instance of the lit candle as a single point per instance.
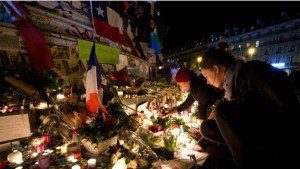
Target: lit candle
(39, 148)
(15, 157)
(46, 138)
(60, 97)
(63, 149)
(92, 162)
(33, 155)
(78, 155)
(76, 166)
(120, 93)
(175, 131)
(42, 105)
(71, 158)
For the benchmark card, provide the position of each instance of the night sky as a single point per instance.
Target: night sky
(194, 20)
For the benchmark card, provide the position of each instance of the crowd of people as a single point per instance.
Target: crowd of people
(255, 110)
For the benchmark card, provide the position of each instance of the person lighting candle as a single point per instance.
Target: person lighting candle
(199, 91)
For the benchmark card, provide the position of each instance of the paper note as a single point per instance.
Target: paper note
(14, 127)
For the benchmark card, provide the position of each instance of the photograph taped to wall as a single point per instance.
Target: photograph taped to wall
(108, 68)
(59, 52)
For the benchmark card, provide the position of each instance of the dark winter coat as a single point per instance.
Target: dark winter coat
(200, 91)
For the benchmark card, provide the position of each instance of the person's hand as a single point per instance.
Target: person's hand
(170, 113)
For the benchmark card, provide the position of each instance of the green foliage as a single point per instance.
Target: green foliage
(170, 142)
(171, 121)
(52, 81)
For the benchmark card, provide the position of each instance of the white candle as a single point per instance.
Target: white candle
(175, 131)
(76, 166)
(42, 105)
(120, 93)
(15, 157)
(92, 162)
(60, 97)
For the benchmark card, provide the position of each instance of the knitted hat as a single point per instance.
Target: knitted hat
(183, 75)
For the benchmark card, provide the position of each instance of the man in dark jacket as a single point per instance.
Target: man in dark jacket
(198, 89)
(259, 116)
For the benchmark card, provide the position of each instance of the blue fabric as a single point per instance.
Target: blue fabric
(94, 62)
(155, 44)
(99, 10)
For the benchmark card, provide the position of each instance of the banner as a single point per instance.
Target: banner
(105, 54)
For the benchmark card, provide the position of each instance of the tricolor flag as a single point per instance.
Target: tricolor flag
(107, 22)
(93, 84)
(33, 38)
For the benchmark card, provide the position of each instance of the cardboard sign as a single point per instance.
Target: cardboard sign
(14, 127)
(105, 54)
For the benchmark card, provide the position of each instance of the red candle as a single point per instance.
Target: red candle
(47, 138)
(78, 155)
(40, 148)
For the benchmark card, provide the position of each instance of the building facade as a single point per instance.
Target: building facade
(278, 45)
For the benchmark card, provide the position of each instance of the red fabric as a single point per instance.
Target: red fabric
(183, 75)
(33, 38)
(2, 165)
(120, 76)
(104, 29)
(35, 44)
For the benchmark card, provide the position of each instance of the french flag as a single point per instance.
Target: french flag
(107, 22)
(93, 84)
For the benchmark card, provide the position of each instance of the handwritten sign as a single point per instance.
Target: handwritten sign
(14, 127)
(105, 54)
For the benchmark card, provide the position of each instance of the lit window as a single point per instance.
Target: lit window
(257, 43)
(240, 46)
(248, 44)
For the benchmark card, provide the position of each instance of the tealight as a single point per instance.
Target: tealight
(175, 131)
(71, 158)
(120, 93)
(39, 148)
(20, 167)
(35, 154)
(92, 162)
(46, 138)
(60, 96)
(63, 149)
(42, 105)
(76, 166)
(49, 151)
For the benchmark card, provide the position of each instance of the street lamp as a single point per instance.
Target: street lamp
(251, 51)
(199, 59)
